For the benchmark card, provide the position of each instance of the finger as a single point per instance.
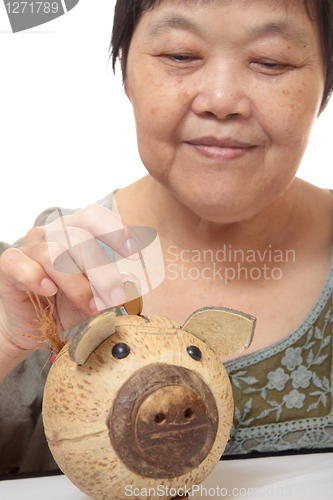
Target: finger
(18, 270)
(91, 263)
(90, 259)
(74, 284)
(100, 305)
(106, 281)
(104, 225)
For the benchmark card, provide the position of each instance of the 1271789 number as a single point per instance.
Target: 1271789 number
(32, 7)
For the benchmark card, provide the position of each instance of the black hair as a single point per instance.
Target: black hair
(128, 12)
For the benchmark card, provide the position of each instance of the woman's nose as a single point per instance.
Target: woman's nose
(223, 92)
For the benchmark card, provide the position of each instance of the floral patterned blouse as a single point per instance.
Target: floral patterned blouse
(283, 393)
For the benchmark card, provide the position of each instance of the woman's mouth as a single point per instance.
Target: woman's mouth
(220, 149)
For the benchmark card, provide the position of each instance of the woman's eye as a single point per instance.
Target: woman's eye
(179, 57)
(273, 65)
(270, 67)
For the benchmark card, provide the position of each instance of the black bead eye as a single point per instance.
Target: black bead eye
(194, 352)
(120, 351)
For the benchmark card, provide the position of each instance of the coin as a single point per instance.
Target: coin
(134, 302)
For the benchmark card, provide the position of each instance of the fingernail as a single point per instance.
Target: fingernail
(131, 246)
(117, 297)
(96, 305)
(49, 287)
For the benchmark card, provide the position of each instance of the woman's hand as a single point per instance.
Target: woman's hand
(64, 262)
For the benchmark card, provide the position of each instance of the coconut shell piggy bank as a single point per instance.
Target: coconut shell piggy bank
(134, 403)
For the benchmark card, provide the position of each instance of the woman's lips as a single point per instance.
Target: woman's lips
(220, 149)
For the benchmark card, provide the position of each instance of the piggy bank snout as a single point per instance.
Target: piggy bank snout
(172, 419)
(171, 422)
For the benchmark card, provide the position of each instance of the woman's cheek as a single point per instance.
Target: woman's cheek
(159, 115)
(290, 113)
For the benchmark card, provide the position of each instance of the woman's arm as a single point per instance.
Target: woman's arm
(10, 355)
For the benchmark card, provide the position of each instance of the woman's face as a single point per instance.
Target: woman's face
(225, 94)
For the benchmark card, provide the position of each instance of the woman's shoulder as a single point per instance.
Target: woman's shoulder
(315, 199)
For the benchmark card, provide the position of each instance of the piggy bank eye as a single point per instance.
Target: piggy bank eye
(194, 352)
(120, 351)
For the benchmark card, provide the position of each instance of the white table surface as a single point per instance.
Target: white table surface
(278, 478)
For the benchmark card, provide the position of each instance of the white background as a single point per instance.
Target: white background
(302, 477)
(66, 128)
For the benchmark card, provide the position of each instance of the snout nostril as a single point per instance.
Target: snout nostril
(160, 418)
(188, 413)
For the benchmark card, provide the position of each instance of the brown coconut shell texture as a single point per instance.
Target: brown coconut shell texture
(78, 401)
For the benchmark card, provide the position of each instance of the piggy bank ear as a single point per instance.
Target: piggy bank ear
(89, 335)
(225, 331)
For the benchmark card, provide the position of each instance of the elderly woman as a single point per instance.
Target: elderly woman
(225, 94)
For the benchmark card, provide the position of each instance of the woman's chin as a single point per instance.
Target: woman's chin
(222, 207)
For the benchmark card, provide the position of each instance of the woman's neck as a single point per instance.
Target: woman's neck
(146, 202)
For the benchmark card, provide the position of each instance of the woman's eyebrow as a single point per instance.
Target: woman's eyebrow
(158, 26)
(287, 29)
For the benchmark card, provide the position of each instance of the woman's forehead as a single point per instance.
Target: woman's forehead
(168, 17)
(150, 4)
